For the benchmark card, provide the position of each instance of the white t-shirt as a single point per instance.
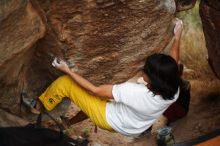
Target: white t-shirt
(135, 108)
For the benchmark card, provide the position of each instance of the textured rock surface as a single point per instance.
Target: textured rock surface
(106, 39)
(21, 27)
(9, 120)
(210, 15)
(102, 40)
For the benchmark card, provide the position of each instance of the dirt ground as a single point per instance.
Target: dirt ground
(203, 117)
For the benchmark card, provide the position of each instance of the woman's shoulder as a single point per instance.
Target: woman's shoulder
(131, 84)
(131, 87)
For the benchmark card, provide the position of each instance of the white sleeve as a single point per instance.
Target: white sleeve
(116, 93)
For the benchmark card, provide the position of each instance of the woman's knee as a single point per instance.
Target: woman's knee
(63, 81)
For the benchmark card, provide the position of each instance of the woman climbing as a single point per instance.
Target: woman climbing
(127, 108)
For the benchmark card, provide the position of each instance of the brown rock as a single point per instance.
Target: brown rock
(107, 42)
(20, 28)
(9, 120)
(210, 15)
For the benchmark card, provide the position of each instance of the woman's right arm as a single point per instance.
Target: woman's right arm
(104, 91)
(101, 91)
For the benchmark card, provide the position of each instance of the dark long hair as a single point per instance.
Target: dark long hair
(162, 71)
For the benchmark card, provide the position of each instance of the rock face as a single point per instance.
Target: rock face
(210, 15)
(107, 40)
(21, 27)
(9, 120)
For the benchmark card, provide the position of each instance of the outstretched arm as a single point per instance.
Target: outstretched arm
(174, 52)
(101, 91)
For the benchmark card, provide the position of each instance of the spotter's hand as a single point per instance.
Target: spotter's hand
(61, 65)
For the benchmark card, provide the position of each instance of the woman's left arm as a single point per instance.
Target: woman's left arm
(175, 49)
(101, 91)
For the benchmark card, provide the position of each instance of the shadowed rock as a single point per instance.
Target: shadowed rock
(21, 27)
(9, 120)
(210, 16)
(183, 5)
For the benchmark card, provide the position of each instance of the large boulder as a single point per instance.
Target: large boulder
(210, 16)
(107, 40)
(21, 27)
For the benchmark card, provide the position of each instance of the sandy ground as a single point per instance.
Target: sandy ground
(203, 117)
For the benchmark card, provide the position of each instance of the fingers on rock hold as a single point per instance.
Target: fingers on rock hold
(178, 25)
(55, 62)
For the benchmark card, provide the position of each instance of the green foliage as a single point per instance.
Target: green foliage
(191, 16)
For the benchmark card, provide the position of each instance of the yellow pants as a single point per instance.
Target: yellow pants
(64, 86)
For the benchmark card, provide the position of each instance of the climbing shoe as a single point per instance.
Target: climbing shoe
(30, 103)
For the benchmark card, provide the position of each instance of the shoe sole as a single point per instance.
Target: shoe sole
(32, 110)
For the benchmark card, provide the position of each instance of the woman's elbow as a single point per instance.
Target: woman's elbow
(96, 90)
(103, 91)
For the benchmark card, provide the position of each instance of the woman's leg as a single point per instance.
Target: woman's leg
(79, 117)
(92, 106)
